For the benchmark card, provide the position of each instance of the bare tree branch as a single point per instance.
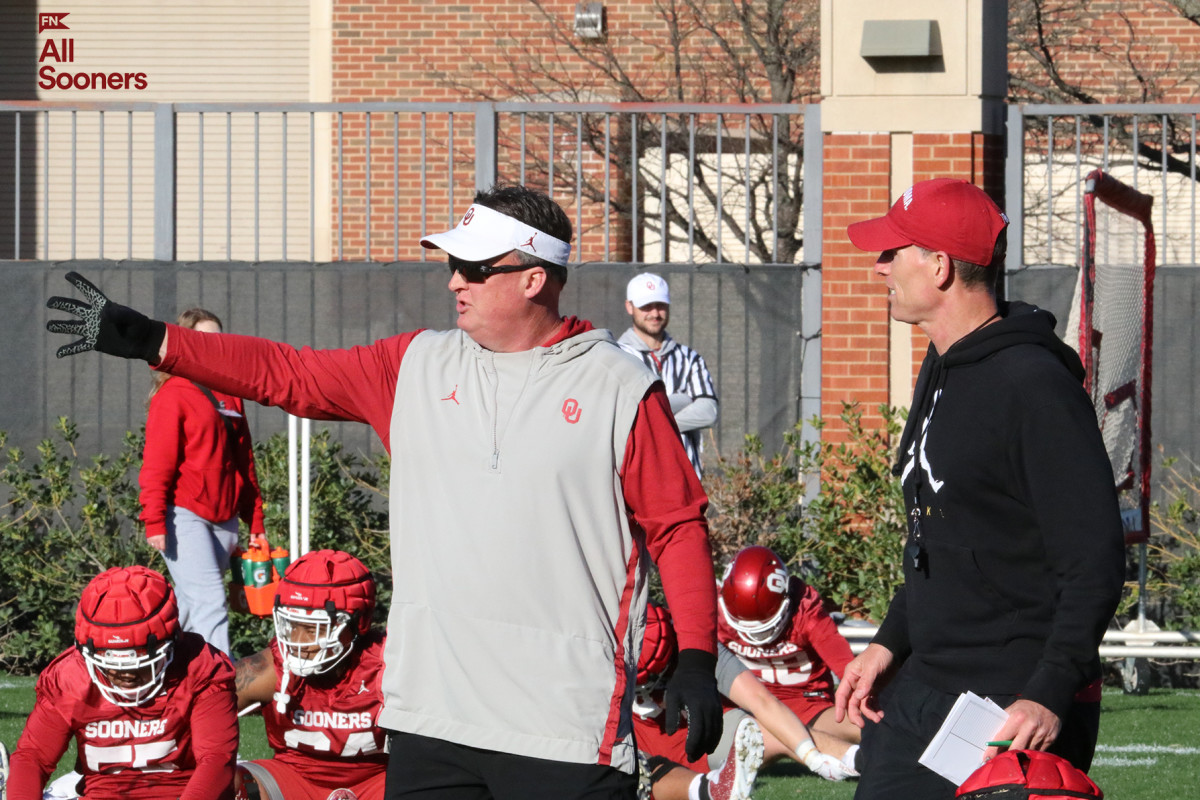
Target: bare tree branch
(708, 51)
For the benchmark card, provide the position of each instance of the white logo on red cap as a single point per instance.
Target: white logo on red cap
(908, 197)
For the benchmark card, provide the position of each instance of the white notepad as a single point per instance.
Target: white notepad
(957, 748)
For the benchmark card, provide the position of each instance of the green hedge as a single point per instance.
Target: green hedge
(66, 518)
(846, 540)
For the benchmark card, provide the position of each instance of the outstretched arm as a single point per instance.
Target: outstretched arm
(782, 723)
(356, 384)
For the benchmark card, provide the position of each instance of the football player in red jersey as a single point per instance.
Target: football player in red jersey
(318, 682)
(758, 728)
(151, 708)
(777, 625)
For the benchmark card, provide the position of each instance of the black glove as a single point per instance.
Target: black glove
(693, 688)
(105, 326)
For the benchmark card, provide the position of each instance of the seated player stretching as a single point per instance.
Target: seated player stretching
(777, 625)
(151, 709)
(318, 682)
(758, 728)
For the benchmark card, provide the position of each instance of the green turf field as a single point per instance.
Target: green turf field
(1149, 747)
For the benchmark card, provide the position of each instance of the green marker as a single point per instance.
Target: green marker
(1001, 743)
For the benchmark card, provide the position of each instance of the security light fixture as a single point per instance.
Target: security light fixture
(590, 23)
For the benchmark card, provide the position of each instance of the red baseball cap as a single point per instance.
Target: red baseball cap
(940, 214)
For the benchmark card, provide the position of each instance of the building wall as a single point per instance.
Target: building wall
(84, 171)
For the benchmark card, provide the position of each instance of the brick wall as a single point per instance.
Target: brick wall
(428, 51)
(417, 50)
(854, 317)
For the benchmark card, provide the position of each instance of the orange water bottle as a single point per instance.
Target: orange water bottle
(260, 565)
(280, 560)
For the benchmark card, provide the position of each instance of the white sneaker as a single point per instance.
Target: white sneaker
(735, 778)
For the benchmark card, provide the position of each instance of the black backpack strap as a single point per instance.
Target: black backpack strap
(217, 405)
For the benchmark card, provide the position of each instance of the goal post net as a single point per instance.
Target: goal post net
(1111, 325)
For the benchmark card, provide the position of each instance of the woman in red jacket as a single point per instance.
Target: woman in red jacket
(197, 479)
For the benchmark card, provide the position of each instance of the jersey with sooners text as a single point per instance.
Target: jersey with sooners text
(139, 752)
(802, 661)
(328, 731)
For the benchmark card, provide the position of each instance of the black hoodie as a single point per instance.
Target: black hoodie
(1022, 555)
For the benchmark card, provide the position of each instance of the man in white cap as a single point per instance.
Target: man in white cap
(534, 465)
(688, 383)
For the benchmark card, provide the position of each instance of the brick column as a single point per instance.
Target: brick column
(854, 326)
(904, 100)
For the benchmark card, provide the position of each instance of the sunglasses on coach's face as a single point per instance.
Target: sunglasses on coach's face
(478, 271)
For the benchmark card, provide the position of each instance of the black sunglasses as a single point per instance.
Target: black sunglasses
(478, 271)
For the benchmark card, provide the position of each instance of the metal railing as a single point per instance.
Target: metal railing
(681, 183)
(1157, 644)
(1052, 148)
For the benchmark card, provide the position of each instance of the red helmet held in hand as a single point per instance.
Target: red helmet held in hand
(659, 646)
(1028, 775)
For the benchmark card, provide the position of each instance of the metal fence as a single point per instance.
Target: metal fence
(300, 222)
(1153, 148)
(694, 183)
(747, 324)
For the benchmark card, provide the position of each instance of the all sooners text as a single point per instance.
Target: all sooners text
(62, 51)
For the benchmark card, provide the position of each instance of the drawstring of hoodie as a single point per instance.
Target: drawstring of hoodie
(282, 698)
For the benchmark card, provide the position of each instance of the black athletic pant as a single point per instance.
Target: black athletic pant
(913, 712)
(422, 768)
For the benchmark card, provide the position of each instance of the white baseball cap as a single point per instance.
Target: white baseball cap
(485, 233)
(647, 288)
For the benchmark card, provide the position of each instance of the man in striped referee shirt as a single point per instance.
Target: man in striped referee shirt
(686, 377)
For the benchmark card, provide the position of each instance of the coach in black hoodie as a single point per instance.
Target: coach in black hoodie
(1014, 560)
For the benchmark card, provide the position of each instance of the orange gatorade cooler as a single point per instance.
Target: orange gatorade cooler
(257, 571)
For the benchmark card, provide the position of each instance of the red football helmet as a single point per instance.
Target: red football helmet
(126, 623)
(324, 595)
(1021, 774)
(754, 595)
(658, 646)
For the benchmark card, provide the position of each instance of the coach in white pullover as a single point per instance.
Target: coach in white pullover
(534, 469)
(682, 370)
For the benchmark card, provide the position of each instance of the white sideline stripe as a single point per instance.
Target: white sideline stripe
(1124, 762)
(1164, 749)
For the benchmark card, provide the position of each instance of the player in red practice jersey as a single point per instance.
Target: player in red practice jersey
(318, 682)
(151, 709)
(777, 626)
(757, 728)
